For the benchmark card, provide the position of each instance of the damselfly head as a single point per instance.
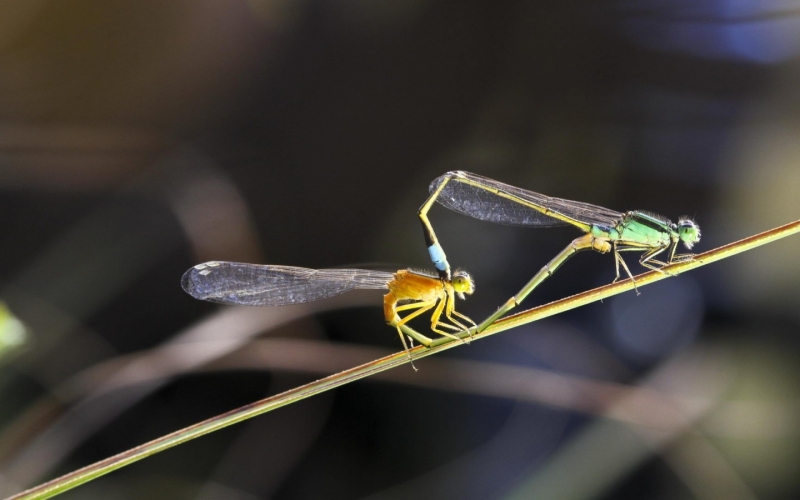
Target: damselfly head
(688, 232)
(462, 283)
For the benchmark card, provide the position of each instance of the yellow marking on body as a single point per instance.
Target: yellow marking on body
(426, 292)
(516, 199)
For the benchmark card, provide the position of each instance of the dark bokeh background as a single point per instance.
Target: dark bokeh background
(140, 138)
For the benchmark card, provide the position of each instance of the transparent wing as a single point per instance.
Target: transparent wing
(478, 197)
(257, 285)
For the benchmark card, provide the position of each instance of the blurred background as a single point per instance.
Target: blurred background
(140, 138)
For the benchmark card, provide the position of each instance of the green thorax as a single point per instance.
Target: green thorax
(639, 228)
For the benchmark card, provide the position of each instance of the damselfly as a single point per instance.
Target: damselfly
(259, 285)
(606, 230)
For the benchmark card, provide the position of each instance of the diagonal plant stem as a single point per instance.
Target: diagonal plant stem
(76, 478)
(603, 292)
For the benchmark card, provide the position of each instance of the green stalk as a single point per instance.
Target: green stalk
(81, 476)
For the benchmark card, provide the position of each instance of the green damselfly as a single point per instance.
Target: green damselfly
(606, 230)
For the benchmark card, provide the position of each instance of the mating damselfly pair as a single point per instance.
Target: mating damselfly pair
(605, 231)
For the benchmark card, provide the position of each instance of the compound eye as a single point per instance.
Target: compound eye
(689, 232)
(462, 283)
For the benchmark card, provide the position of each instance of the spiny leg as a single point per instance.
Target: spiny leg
(450, 311)
(619, 260)
(627, 270)
(683, 257)
(656, 265)
(465, 318)
(436, 316)
(448, 301)
(675, 257)
(450, 335)
(456, 326)
(421, 308)
(616, 263)
(405, 347)
(451, 327)
(649, 262)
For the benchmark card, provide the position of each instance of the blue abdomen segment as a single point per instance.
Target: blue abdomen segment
(438, 257)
